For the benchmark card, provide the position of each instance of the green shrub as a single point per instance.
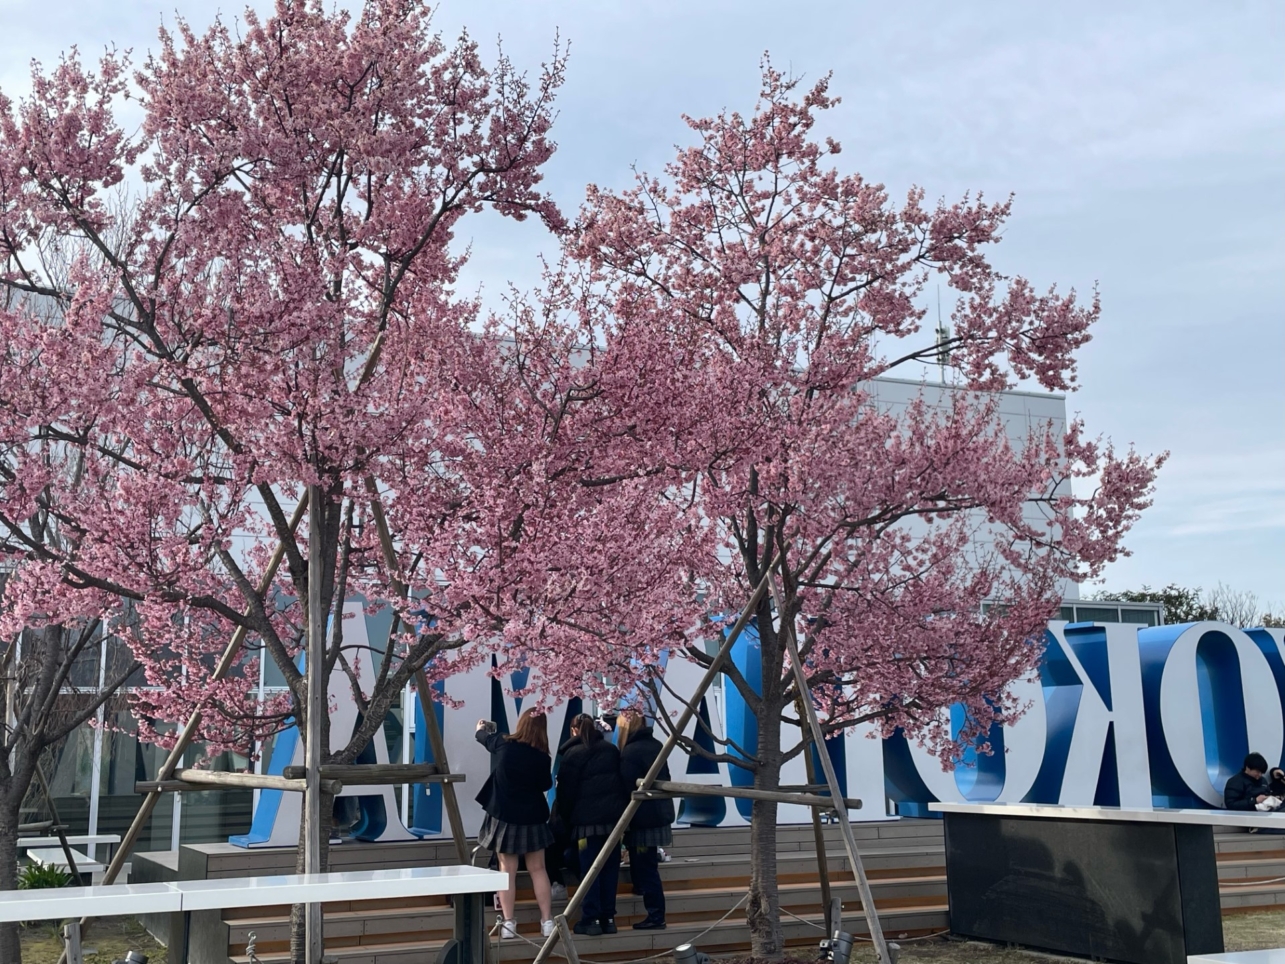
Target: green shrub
(38, 877)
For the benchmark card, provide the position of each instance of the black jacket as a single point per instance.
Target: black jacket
(520, 775)
(590, 788)
(1242, 790)
(635, 760)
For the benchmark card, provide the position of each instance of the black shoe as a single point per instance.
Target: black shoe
(608, 925)
(591, 928)
(650, 925)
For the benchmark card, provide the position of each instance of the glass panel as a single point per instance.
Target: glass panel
(272, 675)
(84, 671)
(1147, 617)
(125, 762)
(1067, 613)
(211, 816)
(119, 657)
(69, 768)
(1097, 614)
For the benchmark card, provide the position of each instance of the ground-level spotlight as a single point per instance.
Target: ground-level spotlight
(838, 949)
(687, 954)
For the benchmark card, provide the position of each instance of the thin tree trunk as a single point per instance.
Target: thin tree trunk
(763, 911)
(10, 941)
(298, 917)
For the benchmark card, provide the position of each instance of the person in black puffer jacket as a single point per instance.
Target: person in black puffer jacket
(651, 827)
(1246, 788)
(591, 798)
(517, 812)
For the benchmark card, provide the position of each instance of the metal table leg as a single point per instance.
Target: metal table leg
(470, 928)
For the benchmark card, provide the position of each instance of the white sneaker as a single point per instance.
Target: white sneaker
(509, 931)
(546, 928)
(558, 892)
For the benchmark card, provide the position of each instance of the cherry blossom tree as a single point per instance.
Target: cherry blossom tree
(254, 293)
(749, 299)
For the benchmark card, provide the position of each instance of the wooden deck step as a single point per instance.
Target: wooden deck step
(710, 870)
(910, 920)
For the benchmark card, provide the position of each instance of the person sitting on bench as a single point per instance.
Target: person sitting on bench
(1247, 789)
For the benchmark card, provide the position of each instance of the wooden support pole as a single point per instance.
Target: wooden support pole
(665, 789)
(568, 942)
(379, 774)
(845, 826)
(71, 943)
(188, 780)
(438, 746)
(167, 786)
(689, 711)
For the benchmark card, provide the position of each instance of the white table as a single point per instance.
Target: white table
(117, 900)
(463, 883)
(88, 840)
(57, 857)
(1276, 956)
(81, 840)
(319, 888)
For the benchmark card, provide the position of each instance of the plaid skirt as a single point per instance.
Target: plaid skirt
(513, 838)
(651, 837)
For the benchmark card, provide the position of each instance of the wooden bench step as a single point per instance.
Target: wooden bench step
(920, 918)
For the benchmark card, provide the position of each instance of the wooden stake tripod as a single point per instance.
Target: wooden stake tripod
(649, 788)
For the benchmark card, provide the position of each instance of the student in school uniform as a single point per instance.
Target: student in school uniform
(517, 811)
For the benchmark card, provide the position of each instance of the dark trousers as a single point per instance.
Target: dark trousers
(644, 868)
(600, 902)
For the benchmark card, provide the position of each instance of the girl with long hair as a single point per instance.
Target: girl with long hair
(517, 811)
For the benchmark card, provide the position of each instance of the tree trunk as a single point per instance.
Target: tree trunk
(298, 935)
(10, 941)
(763, 911)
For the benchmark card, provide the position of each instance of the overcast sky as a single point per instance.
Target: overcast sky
(1145, 144)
